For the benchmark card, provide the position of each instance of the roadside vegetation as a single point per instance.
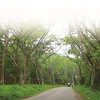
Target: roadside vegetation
(88, 93)
(16, 92)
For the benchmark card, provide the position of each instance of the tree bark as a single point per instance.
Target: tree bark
(2, 62)
(37, 76)
(2, 68)
(92, 77)
(21, 80)
(28, 69)
(42, 77)
(53, 78)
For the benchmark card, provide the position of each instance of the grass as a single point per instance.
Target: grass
(88, 93)
(16, 92)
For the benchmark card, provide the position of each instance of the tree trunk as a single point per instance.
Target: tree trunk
(92, 77)
(53, 78)
(28, 70)
(2, 61)
(21, 80)
(37, 76)
(2, 66)
(80, 70)
(50, 79)
(25, 74)
(73, 78)
(42, 77)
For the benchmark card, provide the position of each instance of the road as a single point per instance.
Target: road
(63, 93)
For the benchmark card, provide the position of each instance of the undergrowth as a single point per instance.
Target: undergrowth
(14, 92)
(88, 93)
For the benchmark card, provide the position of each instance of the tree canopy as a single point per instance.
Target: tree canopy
(28, 54)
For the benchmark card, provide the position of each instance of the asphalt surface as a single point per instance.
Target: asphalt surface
(63, 93)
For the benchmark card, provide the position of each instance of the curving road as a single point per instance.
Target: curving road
(63, 93)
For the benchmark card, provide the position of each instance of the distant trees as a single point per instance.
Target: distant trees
(59, 70)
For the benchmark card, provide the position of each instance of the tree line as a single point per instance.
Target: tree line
(28, 55)
(84, 41)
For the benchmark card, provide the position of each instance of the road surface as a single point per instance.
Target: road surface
(63, 93)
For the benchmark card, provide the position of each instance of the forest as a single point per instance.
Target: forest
(29, 55)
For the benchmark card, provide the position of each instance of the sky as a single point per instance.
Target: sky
(49, 11)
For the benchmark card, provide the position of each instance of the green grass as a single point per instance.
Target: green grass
(88, 93)
(15, 92)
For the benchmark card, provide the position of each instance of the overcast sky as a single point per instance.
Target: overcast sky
(49, 10)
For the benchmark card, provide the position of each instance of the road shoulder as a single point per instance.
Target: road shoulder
(78, 95)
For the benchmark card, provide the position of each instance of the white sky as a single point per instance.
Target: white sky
(49, 10)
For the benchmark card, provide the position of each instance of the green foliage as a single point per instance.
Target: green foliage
(14, 92)
(87, 81)
(88, 93)
(82, 80)
(97, 80)
(97, 54)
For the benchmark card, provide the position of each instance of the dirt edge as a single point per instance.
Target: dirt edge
(79, 95)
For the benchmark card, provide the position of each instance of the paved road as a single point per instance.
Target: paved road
(63, 93)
